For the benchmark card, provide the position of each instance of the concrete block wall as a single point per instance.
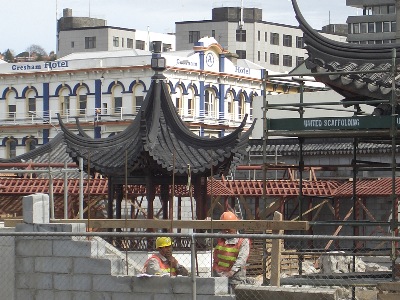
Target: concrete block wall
(62, 267)
(7, 265)
(65, 269)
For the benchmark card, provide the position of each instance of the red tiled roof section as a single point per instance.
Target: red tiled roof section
(368, 187)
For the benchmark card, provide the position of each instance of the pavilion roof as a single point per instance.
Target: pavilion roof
(158, 142)
(326, 55)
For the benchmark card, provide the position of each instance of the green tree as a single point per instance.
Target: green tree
(9, 56)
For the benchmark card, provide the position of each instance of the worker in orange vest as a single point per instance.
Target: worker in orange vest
(231, 254)
(163, 263)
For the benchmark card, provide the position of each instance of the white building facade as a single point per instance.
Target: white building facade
(105, 90)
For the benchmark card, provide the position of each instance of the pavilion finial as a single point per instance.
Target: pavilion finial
(158, 63)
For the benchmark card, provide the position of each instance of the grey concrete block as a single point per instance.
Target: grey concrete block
(24, 265)
(43, 281)
(36, 209)
(53, 265)
(72, 282)
(126, 296)
(103, 283)
(244, 292)
(24, 294)
(81, 296)
(24, 281)
(148, 284)
(63, 295)
(45, 294)
(92, 266)
(72, 248)
(204, 286)
(101, 296)
(32, 247)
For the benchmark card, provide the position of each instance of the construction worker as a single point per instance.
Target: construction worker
(231, 254)
(163, 263)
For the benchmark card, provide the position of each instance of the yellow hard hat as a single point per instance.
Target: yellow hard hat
(163, 242)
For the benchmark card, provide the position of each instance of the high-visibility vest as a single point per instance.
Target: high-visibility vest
(225, 255)
(164, 266)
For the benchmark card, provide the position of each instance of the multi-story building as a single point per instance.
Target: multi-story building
(376, 25)
(84, 34)
(106, 88)
(242, 31)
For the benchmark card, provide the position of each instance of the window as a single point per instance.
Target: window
(394, 26)
(209, 103)
(363, 28)
(118, 104)
(116, 41)
(72, 44)
(11, 148)
(90, 42)
(259, 55)
(391, 9)
(30, 144)
(266, 36)
(371, 27)
(213, 33)
(64, 102)
(122, 42)
(274, 59)
(241, 54)
(259, 35)
(139, 102)
(356, 28)
(299, 42)
(140, 45)
(378, 27)
(287, 40)
(82, 104)
(167, 47)
(274, 38)
(129, 43)
(287, 61)
(179, 100)
(241, 106)
(32, 105)
(299, 60)
(12, 111)
(229, 104)
(386, 26)
(194, 36)
(265, 56)
(240, 35)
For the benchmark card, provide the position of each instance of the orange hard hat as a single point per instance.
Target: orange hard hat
(229, 216)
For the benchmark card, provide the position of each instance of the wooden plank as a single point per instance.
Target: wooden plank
(276, 250)
(194, 224)
(388, 286)
(388, 296)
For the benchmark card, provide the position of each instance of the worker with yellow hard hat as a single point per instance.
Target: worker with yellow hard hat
(163, 263)
(231, 254)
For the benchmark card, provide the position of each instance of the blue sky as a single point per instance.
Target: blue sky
(27, 22)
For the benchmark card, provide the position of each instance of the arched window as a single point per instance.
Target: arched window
(179, 100)
(11, 104)
(117, 99)
(229, 106)
(30, 100)
(64, 101)
(138, 97)
(241, 106)
(82, 98)
(11, 148)
(30, 144)
(190, 102)
(209, 103)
